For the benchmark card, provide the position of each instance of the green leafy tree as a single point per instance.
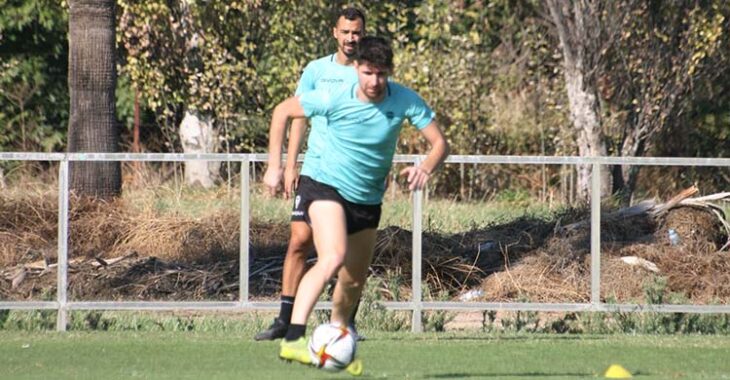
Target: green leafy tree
(488, 72)
(630, 69)
(665, 50)
(33, 69)
(196, 59)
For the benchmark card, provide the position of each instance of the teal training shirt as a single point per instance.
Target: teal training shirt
(321, 74)
(361, 137)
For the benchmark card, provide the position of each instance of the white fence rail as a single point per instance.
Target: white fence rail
(416, 305)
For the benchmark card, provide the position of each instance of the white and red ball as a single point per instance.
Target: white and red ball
(332, 347)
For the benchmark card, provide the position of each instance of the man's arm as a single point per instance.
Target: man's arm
(297, 131)
(296, 138)
(288, 109)
(419, 175)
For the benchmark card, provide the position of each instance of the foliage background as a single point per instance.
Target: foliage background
(491, 70)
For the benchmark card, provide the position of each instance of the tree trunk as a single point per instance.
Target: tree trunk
(577, 26)
(625, 177)
(584, 113)
(198, 136)
(92, 81)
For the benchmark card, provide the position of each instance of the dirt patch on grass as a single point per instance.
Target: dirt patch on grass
(118, 254)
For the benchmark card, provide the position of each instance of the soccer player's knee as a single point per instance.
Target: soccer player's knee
(301, 236)
(297, 252)
(332, 264)
(299, 247)
(299, 244)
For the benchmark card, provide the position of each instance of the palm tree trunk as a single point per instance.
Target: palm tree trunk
(92, 81)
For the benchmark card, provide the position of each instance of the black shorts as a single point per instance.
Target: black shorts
(359, 217)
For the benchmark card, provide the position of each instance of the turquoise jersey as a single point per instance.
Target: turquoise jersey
(361, 137)
(321, 74)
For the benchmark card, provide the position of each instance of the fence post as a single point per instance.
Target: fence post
(243, 261)
(63, 306)
(62, 262)
(417, 257)
(596, 235)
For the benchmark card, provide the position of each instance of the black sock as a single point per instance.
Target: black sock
(287, 305)
(295, 332)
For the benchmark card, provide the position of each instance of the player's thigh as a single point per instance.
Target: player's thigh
(329, 227)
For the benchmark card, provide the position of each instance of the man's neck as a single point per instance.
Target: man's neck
(342, 59)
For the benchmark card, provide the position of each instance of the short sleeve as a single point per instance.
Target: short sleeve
(307, 80)
(418, 112)
(315, 103)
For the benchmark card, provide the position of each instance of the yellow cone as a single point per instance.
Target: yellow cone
(615, 371)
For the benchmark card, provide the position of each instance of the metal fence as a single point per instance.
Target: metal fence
(417, 305)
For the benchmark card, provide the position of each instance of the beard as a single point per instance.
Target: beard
(352, 50)
(375, 92)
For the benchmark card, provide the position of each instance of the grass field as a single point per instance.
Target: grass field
(443, 215)
(216, 355)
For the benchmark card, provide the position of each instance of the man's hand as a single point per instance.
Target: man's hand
(291, 181)
(417, 177)
(272, 179)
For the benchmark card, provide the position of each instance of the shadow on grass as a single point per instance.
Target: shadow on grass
(465, 375)
(497, 338)
(526, 337)
(344, 376)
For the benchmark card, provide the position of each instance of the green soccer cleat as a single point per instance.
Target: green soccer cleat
(355, 368)
(295, 351)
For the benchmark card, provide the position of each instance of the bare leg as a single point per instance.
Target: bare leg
(300, 243)
(352, 276)
(330, 239)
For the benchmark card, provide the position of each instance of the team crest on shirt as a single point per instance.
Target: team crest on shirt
(389, 114)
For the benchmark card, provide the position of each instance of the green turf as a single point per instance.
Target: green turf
(106, 355)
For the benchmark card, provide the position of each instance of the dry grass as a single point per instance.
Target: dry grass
(560, 270)
(186, 245)
(27, 223)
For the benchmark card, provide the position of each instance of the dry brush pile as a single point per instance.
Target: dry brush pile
(119, 254)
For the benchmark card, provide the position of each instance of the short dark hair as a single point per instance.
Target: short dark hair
(352, 14)
(375, 51)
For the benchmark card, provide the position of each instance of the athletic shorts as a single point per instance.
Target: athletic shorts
(358, 216)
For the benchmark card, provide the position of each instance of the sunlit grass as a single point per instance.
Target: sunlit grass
(234, 355)
(149, 194)
(443, 215)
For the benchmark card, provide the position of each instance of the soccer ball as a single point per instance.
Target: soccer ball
(332, 347)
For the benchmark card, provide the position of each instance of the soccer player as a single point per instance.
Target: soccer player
(326, 73)
(341, 199)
